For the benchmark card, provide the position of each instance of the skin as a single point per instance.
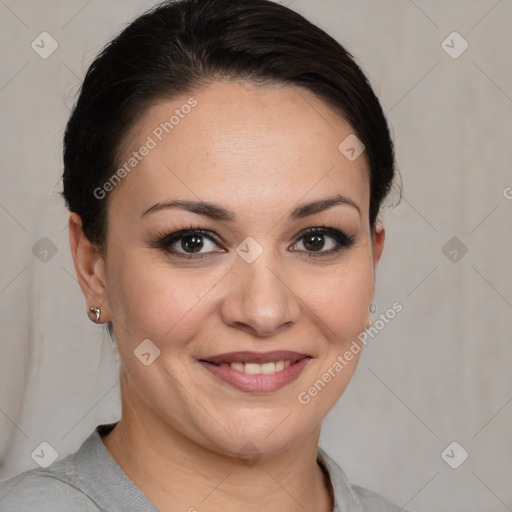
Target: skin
(259, 152)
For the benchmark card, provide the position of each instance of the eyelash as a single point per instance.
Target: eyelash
(164, 240)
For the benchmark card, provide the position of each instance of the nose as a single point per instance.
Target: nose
(260, 298)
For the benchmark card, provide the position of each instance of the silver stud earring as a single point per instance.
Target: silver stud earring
(96, 311)
(373, 308)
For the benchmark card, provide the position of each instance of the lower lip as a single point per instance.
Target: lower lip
(260, 383)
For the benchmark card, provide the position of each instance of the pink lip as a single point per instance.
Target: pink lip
(262, 383)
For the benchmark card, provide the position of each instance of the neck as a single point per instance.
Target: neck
(176, 473)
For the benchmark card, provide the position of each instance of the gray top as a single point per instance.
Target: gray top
(90, 480)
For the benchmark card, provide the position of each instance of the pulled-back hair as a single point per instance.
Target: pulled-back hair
(182, 45)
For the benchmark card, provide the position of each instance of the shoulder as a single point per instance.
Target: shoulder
(372, 501)
(43, 490)
(349, 496)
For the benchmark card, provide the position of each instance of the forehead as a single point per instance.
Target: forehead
(241, 144)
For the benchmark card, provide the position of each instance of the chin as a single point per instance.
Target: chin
(259, 431)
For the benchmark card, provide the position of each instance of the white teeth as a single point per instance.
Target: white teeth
(257, 369)
(252, 368)
(239, 367)
(268, 368)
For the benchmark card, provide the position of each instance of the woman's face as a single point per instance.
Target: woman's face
(252, 283)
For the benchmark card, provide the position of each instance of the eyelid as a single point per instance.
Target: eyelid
(343, 240)
(165, 239)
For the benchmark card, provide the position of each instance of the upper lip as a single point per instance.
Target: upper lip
(256, 357)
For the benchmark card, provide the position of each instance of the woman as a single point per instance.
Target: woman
(224, 168)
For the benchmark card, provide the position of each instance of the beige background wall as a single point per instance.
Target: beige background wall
(438, 373)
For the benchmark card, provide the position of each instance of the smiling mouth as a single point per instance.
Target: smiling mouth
(257, 372)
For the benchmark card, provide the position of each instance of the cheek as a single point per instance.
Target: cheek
(153, 300)
(341, 297)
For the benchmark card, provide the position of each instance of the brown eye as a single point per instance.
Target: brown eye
(192, 242)
(314, 242)
(189, 243)
(324, 241)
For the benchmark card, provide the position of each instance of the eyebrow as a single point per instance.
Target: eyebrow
(219, 213)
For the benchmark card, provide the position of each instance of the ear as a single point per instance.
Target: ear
(89, 267)
(378, 242)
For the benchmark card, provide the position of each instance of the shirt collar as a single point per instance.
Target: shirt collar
(344, 496)
(104, 481)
